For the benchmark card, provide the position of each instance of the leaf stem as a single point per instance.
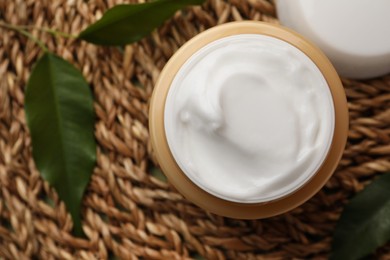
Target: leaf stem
(42, 29)
(23, 30)
(52, 32)
(25, 33)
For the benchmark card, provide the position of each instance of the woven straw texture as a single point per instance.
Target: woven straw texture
(128, 212)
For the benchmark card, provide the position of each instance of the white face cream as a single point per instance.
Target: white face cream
(249, 118)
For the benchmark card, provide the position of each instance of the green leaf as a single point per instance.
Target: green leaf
(365, 223)
(124, 24)
(198, 257)
(158, 174)
(59, 112)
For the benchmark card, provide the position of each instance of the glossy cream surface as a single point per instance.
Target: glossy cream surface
(249, 118)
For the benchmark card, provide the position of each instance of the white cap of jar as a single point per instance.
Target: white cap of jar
(354, 34)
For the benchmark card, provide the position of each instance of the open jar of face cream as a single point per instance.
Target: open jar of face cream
(248, 120)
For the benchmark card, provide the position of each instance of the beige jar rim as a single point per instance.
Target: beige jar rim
(215, 204)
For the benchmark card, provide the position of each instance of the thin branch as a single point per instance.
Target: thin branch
(23, 30)
(25, 33)
(50, 31)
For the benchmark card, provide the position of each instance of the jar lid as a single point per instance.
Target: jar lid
(355, 35)
(213, 203)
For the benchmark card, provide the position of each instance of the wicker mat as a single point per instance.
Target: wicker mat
(129, 212)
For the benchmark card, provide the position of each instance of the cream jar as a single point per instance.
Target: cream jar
(248, 120)
(354, 34)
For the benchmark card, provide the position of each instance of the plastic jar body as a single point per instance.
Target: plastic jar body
(226, 206)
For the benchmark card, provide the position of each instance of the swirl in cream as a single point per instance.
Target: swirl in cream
(249, 118)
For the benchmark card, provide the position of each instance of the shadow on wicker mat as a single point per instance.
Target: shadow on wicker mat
(128, 212)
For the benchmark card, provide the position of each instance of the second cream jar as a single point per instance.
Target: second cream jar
(248, 120)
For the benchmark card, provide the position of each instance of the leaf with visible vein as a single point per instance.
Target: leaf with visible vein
(60, 116)
(365, 223)
(128, 23)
